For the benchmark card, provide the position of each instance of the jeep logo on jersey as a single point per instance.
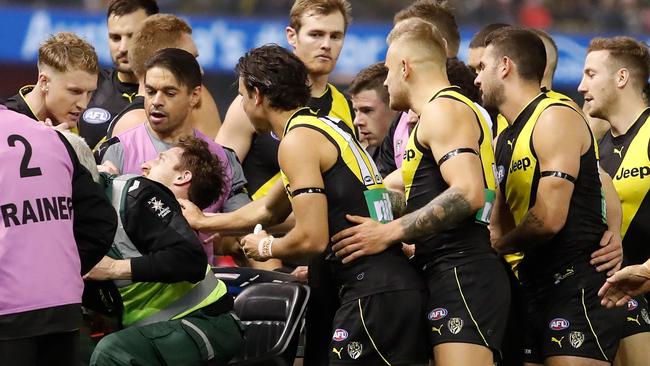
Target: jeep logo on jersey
(409, 154)
(642, 172)
(559, 324)
(521, 164)
(632, 304)
(340, 335)
(96, 115)
(437, 313)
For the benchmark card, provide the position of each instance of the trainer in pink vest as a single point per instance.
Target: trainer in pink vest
(138, 148)
(39, 262)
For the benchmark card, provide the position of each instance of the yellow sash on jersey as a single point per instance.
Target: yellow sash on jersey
(340, 110)
(632, 180)
(352, 154)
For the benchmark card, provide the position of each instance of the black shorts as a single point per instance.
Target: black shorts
(380, 329)
(637, 319)
(565, 318)
(469, 304)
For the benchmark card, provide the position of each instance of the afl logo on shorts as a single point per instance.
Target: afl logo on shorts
(340, 335)
(96, 115)
(632, 304)
(559, 324)
(437, 314)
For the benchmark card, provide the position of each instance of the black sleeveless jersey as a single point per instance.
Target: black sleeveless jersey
(109, 99)
(354, 186)
(261, 163)
(423, 182)
(519, 174)
(626, 158)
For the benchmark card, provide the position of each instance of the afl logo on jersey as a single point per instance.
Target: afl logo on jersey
(500, 174)
(340, 335)
(96, 115)
(559, 324)
(437, 314)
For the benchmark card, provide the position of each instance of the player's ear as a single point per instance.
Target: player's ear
(183, 177)
(259, 98)
(622, 77)
(405, 69)
(195, 97)
(505, 66)
(43, 82)
(292, 36)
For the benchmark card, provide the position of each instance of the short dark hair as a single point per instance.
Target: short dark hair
(438, 13)
(278, 74)
(124, 7)
(371, 78)
(180, 63)
(626, 52)
(462, 76)
(479, 38)
(523, 47)
(207, 171)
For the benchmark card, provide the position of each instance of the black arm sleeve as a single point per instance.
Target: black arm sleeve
(94, 220)
(171, 251)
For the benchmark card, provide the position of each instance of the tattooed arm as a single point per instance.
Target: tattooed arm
(548, 215)
(398, 203)
(463, 174)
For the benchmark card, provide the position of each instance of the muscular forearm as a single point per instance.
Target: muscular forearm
(241, 221)
(298, 244)
(443, 213)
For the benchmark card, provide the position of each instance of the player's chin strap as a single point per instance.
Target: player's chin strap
(299, 191)
(455, 152)
(558, 174)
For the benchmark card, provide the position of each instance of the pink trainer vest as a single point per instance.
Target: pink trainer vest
(400, 139)
(39, 261)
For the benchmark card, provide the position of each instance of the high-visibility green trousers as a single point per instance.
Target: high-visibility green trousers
(192, 340)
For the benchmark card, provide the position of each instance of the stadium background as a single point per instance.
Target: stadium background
(224, 29)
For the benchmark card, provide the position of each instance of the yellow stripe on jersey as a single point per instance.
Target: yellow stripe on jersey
(630, 181)
(351, 152)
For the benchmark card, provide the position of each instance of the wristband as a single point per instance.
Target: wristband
(264, 247)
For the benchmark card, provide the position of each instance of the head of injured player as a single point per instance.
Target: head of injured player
(189, 170)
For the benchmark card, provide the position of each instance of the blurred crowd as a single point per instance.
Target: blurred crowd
(577, 16)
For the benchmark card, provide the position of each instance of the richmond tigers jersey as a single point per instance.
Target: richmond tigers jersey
(502, 123)
(354, 186)
(261, 163)
(518, 174)
(626, 158)
(423, 182)
(109, 99)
